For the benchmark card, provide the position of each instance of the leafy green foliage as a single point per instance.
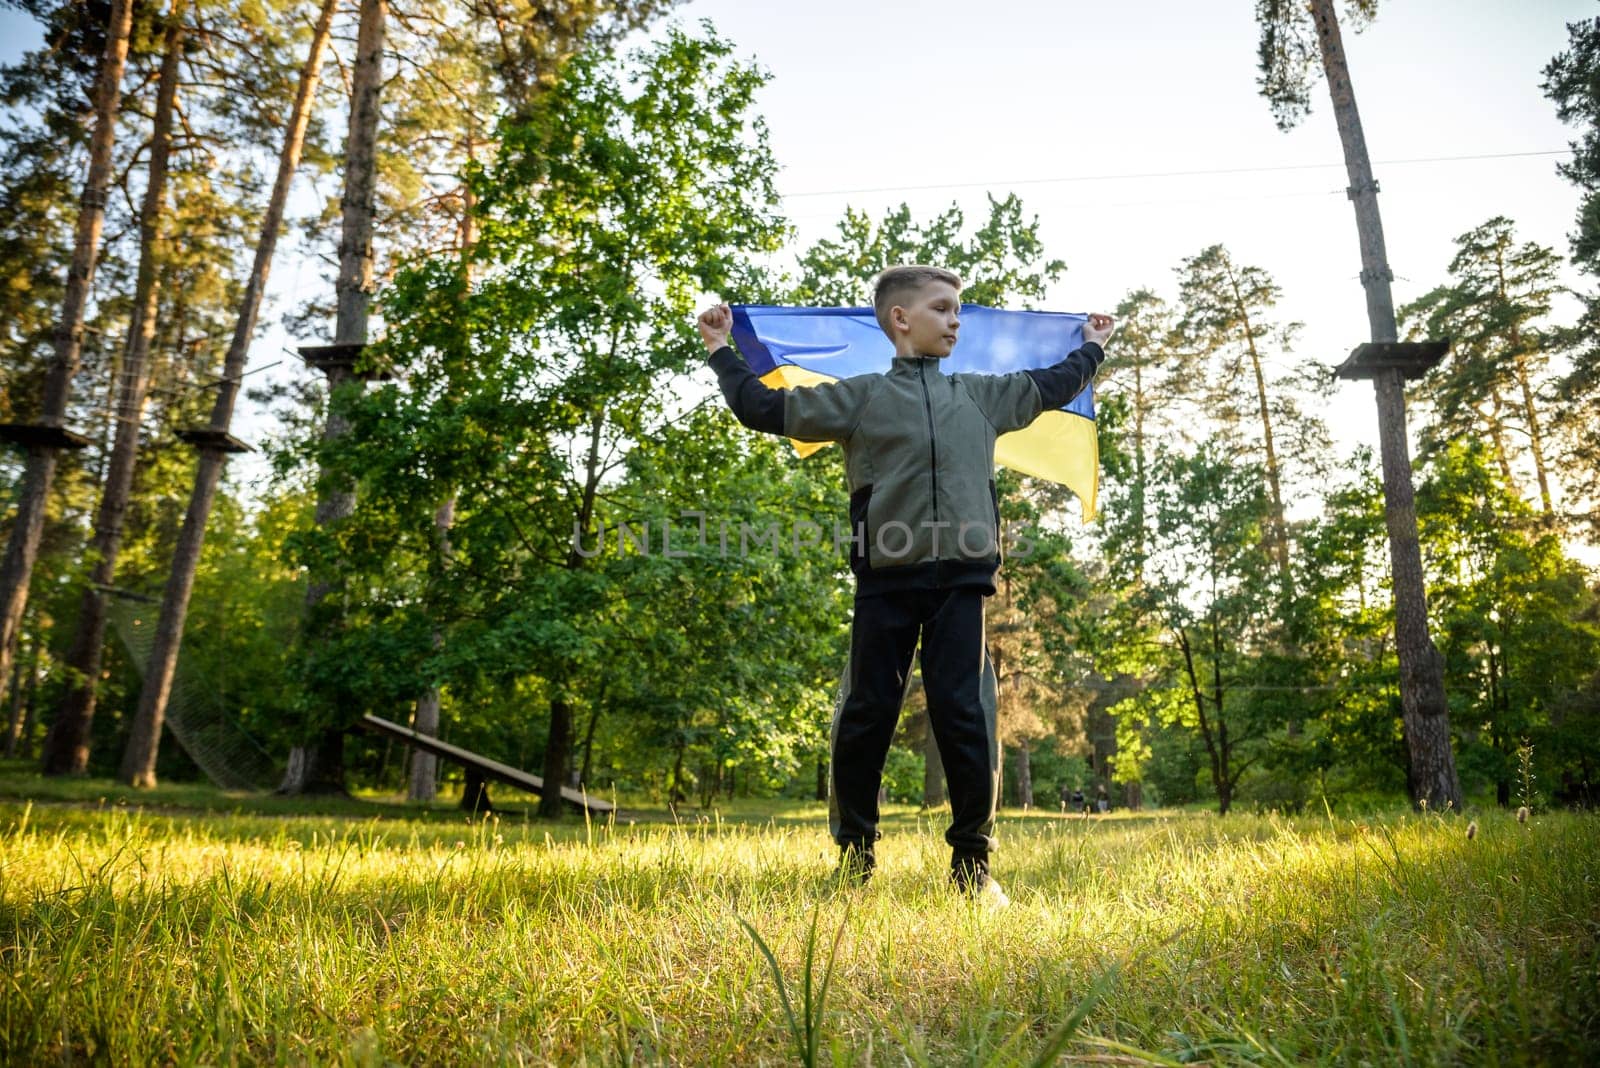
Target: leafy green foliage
(1001, 263)
(542, 376)
(1517, 623)
(1496, 383)
(1212, 588)
(1572, 80)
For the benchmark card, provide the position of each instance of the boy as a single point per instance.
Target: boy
(925, 520)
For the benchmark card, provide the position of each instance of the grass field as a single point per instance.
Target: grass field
(222, 929)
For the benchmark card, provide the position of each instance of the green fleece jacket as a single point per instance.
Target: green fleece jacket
(919, 456)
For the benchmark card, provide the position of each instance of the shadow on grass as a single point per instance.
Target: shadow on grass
(21, 781)
(515, 812)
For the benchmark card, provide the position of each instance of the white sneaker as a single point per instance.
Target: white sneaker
(991, 896)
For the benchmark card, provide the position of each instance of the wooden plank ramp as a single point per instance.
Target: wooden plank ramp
(489, 769)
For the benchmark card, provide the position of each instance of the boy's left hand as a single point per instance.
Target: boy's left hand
(715, 323)
(1098, 328)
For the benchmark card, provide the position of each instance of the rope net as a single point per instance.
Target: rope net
(199, 714)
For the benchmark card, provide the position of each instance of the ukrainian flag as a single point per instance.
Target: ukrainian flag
(791, 347)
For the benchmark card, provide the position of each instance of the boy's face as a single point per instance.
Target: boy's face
(928, 322)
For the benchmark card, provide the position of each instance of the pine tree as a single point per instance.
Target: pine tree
(1497, 379)
(67, 745)
(1298, 37)
(1572, 80)
(1228, 337)
(22, 547)
(139, 757)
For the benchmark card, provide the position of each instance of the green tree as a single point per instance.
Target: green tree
(1290, 57)
(166, 306)
(1212, 587)
(1146, 397)
(1234, 352)
(139, 758)
(733, 642)
(27, 528)
(66, 749)
(1518, 632)
(456, 70)
(1353, 730)
(1572, 80)
(1144, 386)
(1001, 262)
(1496, 381)
(1288, 64)
(1041, 672)
(622, 193)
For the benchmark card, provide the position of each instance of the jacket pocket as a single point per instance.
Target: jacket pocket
(859, 501)
(994, 503)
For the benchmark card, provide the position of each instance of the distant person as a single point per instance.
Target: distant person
(1102, 801)
(919, 453)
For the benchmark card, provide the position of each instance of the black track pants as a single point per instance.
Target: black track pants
(960, 685)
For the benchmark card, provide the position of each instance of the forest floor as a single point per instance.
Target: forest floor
(223, 928)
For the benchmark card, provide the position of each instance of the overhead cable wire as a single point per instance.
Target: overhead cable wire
(1060, 179)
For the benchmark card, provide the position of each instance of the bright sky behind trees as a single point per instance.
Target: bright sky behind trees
(867, 96)
(874, 103)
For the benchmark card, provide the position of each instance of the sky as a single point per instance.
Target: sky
(1135, 133)
(1072, 105)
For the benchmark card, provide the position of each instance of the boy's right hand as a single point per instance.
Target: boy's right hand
(1098, 329)
(715, 323)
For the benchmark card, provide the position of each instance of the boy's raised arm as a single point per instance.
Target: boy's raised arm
(825, 412)
(752, 402)
(1060, 382)
(1010, 403)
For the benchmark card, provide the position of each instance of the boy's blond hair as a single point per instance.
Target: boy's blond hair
(897, 283)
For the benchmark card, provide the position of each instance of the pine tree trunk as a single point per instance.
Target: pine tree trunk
(354, 286)
(588, 734)
(1024, 775)
(1497, 434)
(22, 688)
(424, 766)
(30, 709)
(555, 758)
(1280, 530)
(317, 768)
(1519, 368)
(677, 795)
(144, 740)
(22, 547)
(1427, 717)
(1530, 414)
(1541, 470)
(422, 783)
(475, 794)
(353, 291)
(66, 749)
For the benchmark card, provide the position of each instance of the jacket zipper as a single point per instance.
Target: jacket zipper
(933, 444)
